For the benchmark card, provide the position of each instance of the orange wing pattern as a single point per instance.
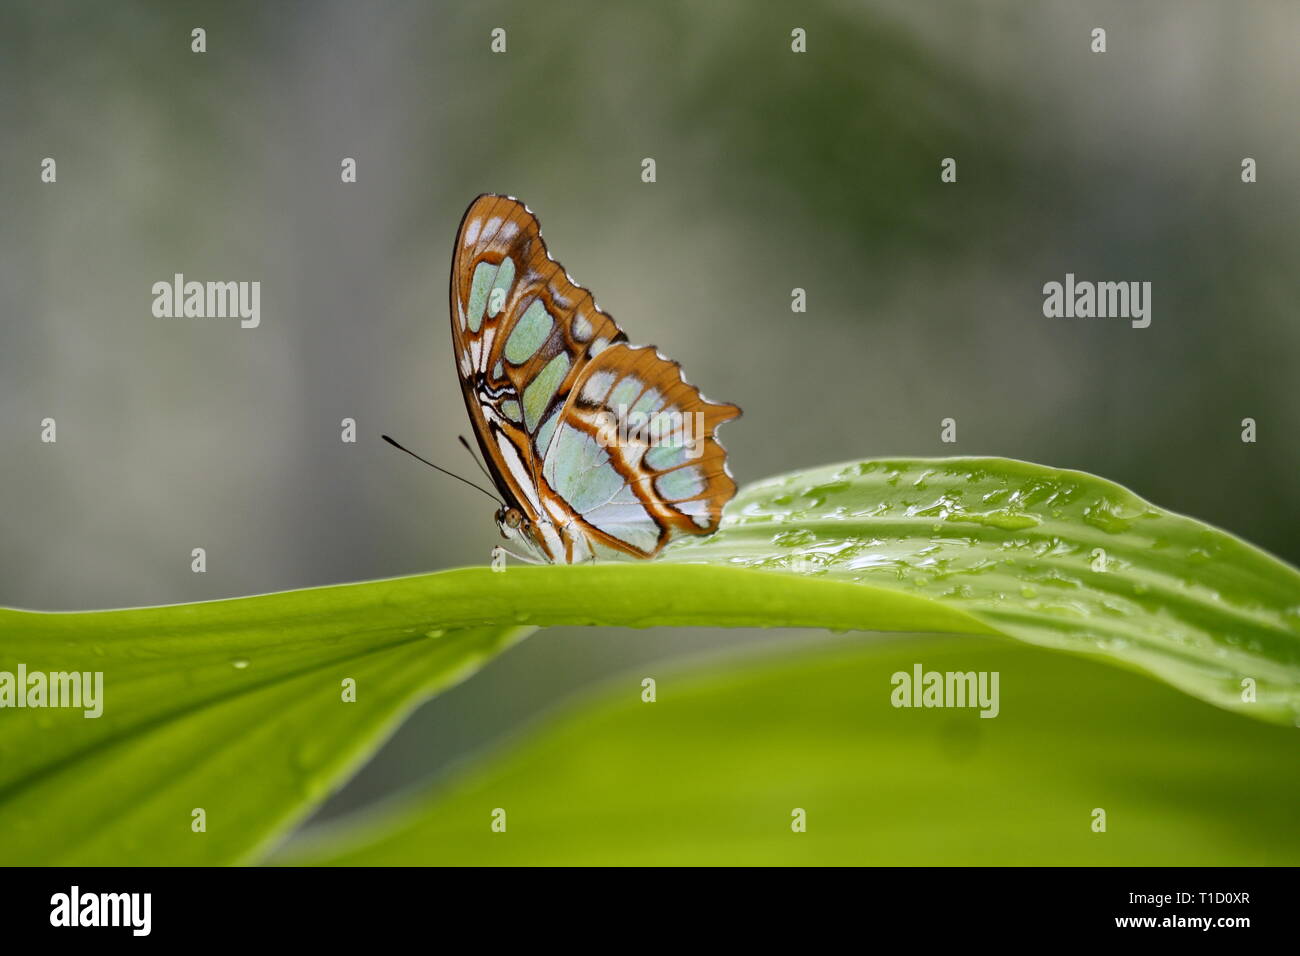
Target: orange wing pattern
(601, 447)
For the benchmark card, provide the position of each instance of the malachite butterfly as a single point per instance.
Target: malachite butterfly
(597, 447)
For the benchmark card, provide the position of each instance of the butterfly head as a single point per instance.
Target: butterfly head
(514, 526)
(538, 537)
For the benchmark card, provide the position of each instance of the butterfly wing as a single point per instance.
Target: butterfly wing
(521, 330)
(634, 457)
(528, 341)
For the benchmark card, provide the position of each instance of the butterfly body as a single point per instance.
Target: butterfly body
(598, 448)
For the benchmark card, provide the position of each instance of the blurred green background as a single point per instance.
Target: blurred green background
(775, 170)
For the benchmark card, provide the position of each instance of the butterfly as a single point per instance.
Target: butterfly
(597, 447)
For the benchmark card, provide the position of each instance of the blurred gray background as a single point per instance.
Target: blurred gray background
(775, 170)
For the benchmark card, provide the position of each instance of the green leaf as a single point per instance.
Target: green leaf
(711, 771)
(1058, 558)
(232, 707)
(236, 706)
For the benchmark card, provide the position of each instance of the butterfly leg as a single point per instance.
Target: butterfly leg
(499, 555)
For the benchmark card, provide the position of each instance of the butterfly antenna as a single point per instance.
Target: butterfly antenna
(401, 447)
(475, 457)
